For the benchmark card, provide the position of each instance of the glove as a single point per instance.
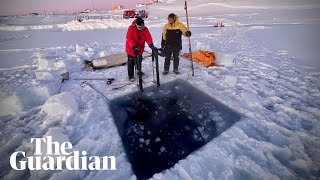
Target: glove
(136, 50)
(154, 49)
(162, 53)
(188, 33)
(163, 44)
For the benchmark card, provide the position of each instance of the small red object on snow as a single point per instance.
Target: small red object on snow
(217, 25)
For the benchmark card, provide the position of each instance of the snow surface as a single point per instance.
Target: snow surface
(274, 82)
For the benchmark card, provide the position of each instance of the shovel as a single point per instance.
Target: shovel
(64, 76)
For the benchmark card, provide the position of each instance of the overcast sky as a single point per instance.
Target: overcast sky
(13, 7)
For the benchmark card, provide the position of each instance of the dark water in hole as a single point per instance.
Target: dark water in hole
(160, 127)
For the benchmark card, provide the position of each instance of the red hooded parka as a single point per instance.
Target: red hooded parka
(137, 38)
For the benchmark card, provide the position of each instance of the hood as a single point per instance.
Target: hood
(134, 22)
(176, 22)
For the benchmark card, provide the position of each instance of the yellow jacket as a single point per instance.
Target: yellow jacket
(176, 26)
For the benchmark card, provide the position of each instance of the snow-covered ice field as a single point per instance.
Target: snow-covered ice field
(274, 83)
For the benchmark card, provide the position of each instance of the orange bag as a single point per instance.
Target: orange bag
(206, 57)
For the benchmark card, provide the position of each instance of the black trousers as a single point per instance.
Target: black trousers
(168, 53)
(131, 65)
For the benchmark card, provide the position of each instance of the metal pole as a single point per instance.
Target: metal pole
(154, 80)
(136, 69)
(189, 39)
(157, 68)
(140, 73)
(138, 66)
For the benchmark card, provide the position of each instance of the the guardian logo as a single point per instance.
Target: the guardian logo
(58, 157)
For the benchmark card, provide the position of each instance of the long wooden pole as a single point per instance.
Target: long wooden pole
(189, 39)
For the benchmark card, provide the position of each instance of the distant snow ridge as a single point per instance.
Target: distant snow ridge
(228, 6)
(97, 24)
(24, 28)
(73, 25)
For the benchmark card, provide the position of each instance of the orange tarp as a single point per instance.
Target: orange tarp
(206, 57)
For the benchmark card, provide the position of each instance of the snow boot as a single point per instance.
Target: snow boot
(142, 74)
(165, 72)
(131, 79)
(176, 71)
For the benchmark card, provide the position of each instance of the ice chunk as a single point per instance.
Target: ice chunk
(103, 54)
(25, 98)
(250, 99)
(44, 63)
(80, 49)
(59, 108)
(43, 76)
(60, 64)
(224, 59)
(10, 105)
(230, 80)
(147, 142)
(162, 149)
(60, 105)
(47, 64)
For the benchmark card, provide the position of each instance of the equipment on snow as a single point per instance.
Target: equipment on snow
(85, 83)
(210, 58)
(217, 25)
(64, 76)
(206, 57)
(137, 61)
(109, 80)
(139, 74)
(97, 79)
(155, 59)
(109, 61)
(99, 63)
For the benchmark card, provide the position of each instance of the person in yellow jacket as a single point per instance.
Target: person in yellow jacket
(171, 42)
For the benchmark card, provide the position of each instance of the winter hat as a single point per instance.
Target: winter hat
(171, 15)
(140, 21)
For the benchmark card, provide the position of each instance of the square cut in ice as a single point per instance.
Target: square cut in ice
(161, 126)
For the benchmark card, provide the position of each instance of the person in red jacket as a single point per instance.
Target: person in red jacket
(137, 35)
